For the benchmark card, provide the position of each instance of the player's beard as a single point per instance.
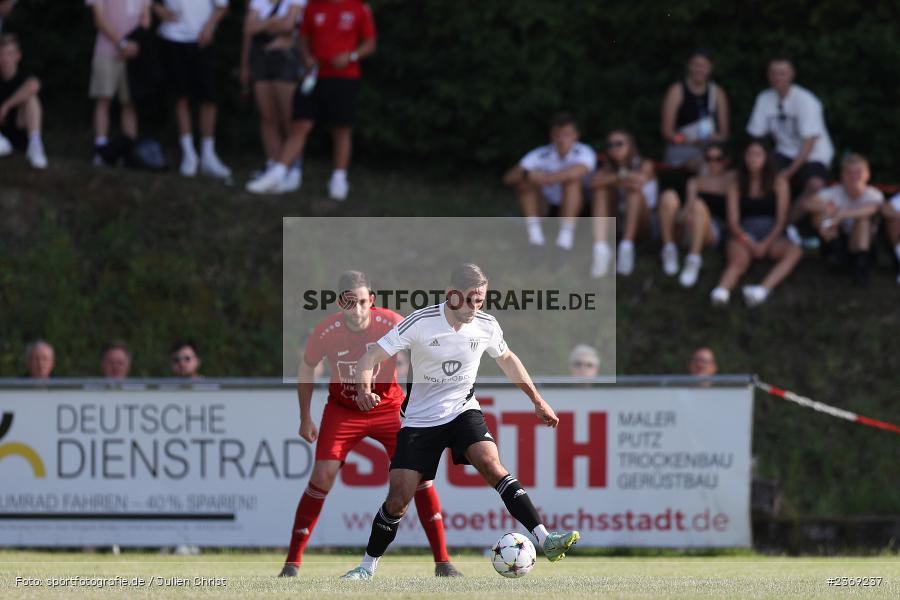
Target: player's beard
(356, 322)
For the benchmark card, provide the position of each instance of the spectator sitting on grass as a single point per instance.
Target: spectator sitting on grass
(185, 359)
(843, 215)
(114, 20)
(703, 363)
(115, 361)
(703, 214)
(551, 178)
(20, 107)
(891, 212)
(39, 359)
(694, 113)
(584, 361)
(757, 207)
(627, 183)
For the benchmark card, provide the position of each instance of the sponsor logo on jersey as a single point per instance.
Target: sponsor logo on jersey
(433, 343)
(450, 367)
(343, 352)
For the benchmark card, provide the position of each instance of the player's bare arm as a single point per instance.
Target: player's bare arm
(366, 398)
(305, 378)
(515, 371)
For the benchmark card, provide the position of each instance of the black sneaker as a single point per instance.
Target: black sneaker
(446, 569)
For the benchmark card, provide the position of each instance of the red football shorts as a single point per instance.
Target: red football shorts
(342, 428)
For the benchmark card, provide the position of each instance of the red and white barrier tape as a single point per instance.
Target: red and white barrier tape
(824, 408)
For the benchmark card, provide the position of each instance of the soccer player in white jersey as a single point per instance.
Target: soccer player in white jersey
(446, 342)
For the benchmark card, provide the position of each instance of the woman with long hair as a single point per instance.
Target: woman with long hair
(757, 208)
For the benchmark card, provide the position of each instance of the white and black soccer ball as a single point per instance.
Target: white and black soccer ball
(513, 555)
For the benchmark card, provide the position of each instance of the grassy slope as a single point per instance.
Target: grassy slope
(252, 576)
(89, 254)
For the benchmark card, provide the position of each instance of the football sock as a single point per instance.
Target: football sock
(305, 519)
(535, 233)
(541, 533)
(517, 502)
(369, 563)
(384, 530)
(428, 507)
(566, 237)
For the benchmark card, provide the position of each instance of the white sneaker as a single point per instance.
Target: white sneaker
(338, 189)
(270, 182)
(601, 261)
(5, 147)
(719, 296)
(293, 181)
(754, 295)
(36, 156)
(625, 259)
(212, 166)
(691, 270)
(189, 165)
(670, 259)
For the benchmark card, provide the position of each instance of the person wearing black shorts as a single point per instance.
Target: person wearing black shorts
(446, 342)
(334, 37)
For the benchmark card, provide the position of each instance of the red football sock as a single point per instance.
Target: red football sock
(428, 506)
(308, 510)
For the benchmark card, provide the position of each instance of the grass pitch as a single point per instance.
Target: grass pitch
(247, 575)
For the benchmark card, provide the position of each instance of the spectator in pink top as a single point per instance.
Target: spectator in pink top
(114, 20)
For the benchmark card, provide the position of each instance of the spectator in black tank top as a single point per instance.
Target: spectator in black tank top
(703, 216)
(757, 208)
(694, 113)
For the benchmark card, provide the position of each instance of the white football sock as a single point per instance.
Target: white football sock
(541, 533)
(369, 563)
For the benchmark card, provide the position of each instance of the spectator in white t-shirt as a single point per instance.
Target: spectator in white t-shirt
(551, 178)
(114, 20)
(843, 214)
(794, 118)
(891, 213)
(187, 31)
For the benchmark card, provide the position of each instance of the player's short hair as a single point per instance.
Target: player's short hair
(781, 58)
(563, 120)
(9, 39)
(184, 343)
(351, 280)
(855, 158)
(116, 345)
(467, 276)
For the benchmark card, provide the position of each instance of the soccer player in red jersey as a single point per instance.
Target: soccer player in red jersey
(343, 338)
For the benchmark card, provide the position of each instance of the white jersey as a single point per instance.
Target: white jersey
(547, 158)
(443, 363)
(790, 121)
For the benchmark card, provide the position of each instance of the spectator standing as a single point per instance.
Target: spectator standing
(553, 175)
(694, 113)
(115, 360)
(703, 214)
(757, 208)
(185, 359)
(335, 35)
(794, 117)
(584, 361)
(625, 183)
(39, 359)
(703, 363)
(21, 113)
(843, 214)
(891, 212)
(187, 30)
(114, 20)
(270, 62)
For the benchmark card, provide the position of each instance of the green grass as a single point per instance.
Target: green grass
(249, 575)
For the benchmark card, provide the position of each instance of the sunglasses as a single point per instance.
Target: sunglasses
(615, 143)
(578, 364)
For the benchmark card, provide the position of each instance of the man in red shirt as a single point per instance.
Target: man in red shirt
(343, 338)
(334, 36)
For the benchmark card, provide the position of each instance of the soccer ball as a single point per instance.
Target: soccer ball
(513, 555)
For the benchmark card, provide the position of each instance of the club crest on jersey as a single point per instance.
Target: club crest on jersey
(473, 344)
(450, 367)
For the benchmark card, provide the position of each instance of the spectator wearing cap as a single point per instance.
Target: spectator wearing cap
(115, 360)
(584, 361)
(694, 113)
(185, 359)
(703, 363)
(891, 213)
(550, 179)
(39, 359)
(843, 215)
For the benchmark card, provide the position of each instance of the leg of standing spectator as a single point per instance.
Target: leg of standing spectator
(189, 161)
(210, 164)
(786, 255)
(101, 120)
(269, 119)
(342, 140)
(284, 103)
(296, 141)
(129, 120)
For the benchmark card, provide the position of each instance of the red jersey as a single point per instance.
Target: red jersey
(332, 339)
(333, 28)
